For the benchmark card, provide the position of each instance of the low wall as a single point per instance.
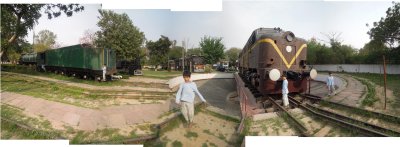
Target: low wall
(359, 68)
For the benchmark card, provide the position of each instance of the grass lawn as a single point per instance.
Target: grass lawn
(393, 83)
(10, 130)
(45, 89)
(161, 74)
(23, 69)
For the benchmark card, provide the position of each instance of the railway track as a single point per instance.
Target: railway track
(296, 123)
(383, 116)
(365, 128)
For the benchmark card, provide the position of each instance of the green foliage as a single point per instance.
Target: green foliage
(336, 53)
(232, 55)
(159, 50)
(190, 134)
(393, 83)
(213, 49)
(175, 52)
(385, 33)
(118, 32)
(17, 19)
(44, 40)
(370, 99)
(208, 68)
(318, 53)
(177, 143)
(204, 145)
(195, 51)
(387, 29)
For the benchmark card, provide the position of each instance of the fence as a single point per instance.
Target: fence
(359, 68)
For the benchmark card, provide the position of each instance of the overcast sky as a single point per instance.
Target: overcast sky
(235, 23)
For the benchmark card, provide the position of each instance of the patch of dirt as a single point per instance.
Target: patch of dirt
(380, 94)
(276, 126)
(145, 80)
(208, 130)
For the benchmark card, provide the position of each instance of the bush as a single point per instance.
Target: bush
(208, 68)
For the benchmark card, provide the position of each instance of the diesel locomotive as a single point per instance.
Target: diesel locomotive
(270, 53)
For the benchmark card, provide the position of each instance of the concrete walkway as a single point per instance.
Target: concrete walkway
(60, 114)
(353, 94)
(348, 91)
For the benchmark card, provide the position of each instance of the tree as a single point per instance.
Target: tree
(88, 38)
(232, 55)
(118, 32)
(159, 50)
(175, 52)
(195, 51)
(213, 49)
(17, 19)
(44, 40)
(387, 31)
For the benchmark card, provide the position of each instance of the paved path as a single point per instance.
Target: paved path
(216, 92)
(353, 94)
(92, 87)
(318, 86)
(60, 114)
(349, 90)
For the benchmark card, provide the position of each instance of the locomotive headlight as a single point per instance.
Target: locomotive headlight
(274, 74)
(290, 37)
(289, 49)
(313, 73)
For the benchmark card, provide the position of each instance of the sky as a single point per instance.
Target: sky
(236, 21)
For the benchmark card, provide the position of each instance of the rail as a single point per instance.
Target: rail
(386, 117)
(364, 127)
(300, 127)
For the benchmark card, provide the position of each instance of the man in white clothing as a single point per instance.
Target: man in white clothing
(104, 72)
(330, 83)
(285, 91)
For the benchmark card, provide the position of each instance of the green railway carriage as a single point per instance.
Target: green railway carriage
(79, 61)
(29, 58)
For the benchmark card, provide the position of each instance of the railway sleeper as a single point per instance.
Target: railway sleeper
(349, 125)
(355, 121)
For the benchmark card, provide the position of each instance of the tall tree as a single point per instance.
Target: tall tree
(213, 49)
(158, 50)
(387, 31)
(175, 52)
(17, 19)
(118, 32)
(44, 40)
(232, 55)
(88, 38)
(194, 51)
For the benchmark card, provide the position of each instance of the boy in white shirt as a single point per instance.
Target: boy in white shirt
(185, 98)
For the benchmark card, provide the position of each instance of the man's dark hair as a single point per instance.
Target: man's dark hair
(186, 73)
(330, 73)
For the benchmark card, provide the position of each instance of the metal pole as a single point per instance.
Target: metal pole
(183, 55)
(384, 77)
(33, 41)
(309, 85)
